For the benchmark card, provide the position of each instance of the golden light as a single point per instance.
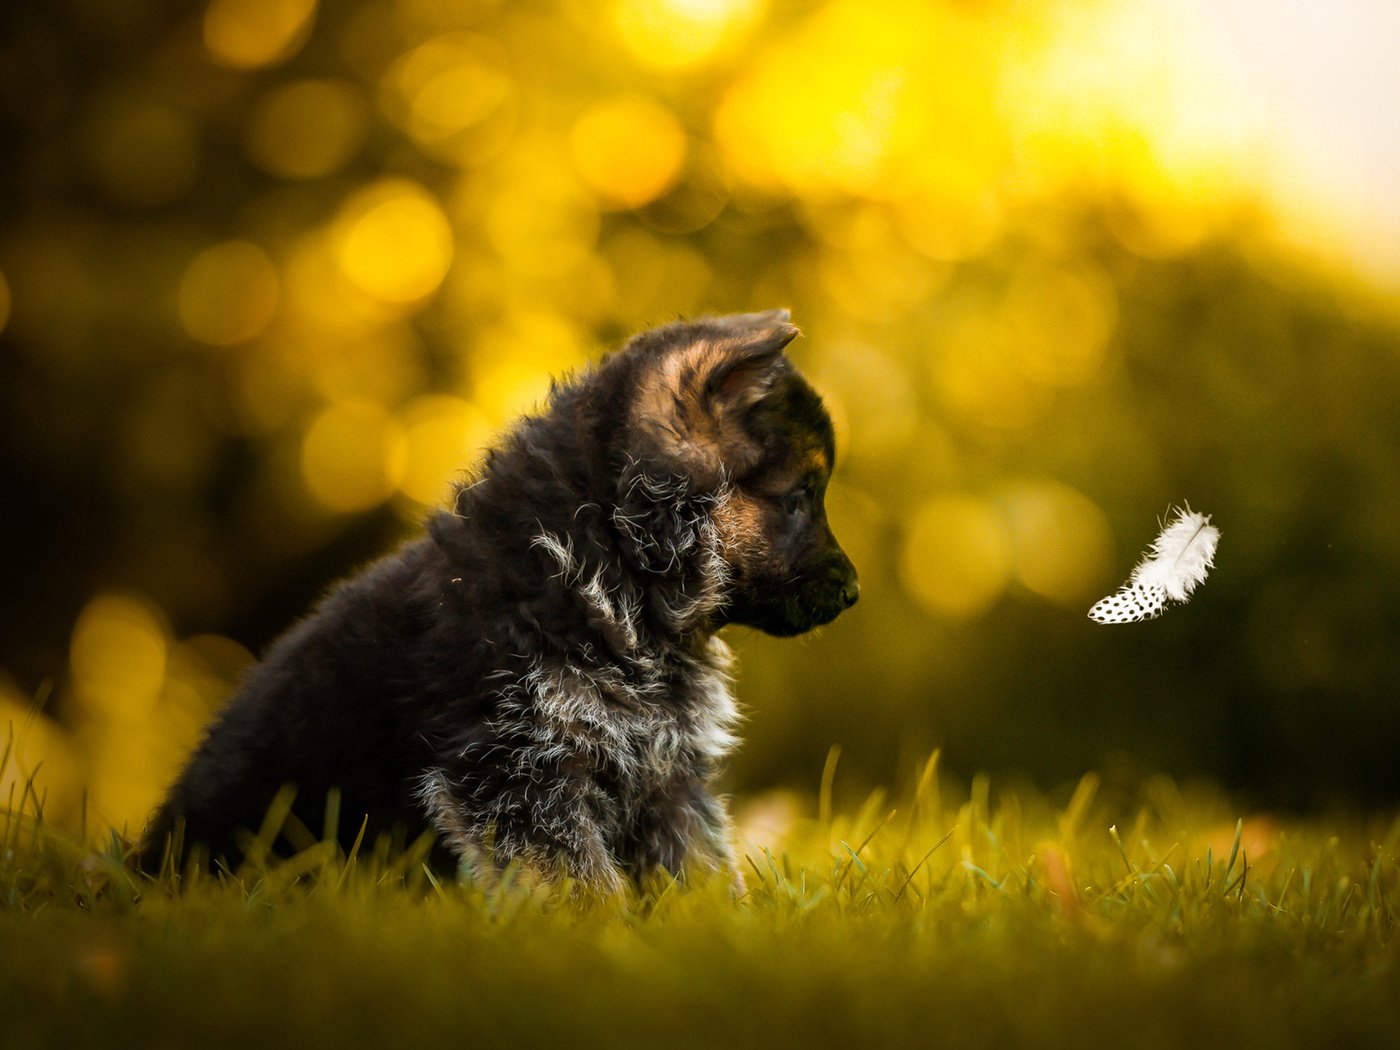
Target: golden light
(395, 243)
(511, 364)
(353, 457)
(317, 294)
(1059, 321)
(39, 755)
(264, 391)
(539, 221)
(978, 373)
(1061, 543)
(383, 364)
(246, 34)
(444, 87)
(950, 222)
(445, 437)
(880, 384)
(130, 763)
(850, 101)
(628, 149)
(858, 521)
(201, 674)
(677, 33)
(228, 293)
(1126, 96)
(955, 558)
(307, 128)
(654, 276)
(117, 658)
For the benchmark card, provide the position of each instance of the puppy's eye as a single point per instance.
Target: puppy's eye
(798, 502)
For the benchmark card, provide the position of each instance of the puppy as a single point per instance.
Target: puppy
(538, 680)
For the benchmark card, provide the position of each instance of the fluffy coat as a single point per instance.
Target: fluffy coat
(538, 679)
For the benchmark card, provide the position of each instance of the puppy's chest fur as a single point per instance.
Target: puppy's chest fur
(634, 732)
(632, 714)
(606, 760)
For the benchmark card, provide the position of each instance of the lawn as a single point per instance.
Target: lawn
(936, 916)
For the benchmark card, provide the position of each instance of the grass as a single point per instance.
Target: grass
(937, 919)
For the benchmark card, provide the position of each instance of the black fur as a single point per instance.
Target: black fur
(537, 679)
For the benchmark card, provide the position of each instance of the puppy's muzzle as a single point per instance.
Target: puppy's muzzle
(850, 590)
(838, 591)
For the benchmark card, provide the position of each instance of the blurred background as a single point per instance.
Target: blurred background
(273, 271)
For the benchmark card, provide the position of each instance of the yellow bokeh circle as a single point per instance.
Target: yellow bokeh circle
(41, 770)
(445, 86)
(228, 293)
(352, 457)
(117, 657)
(395, 243)
(954, 560)
(1061, 542)
(628, 150)
(306, 129)
(444, 438)
(677, 33)
(1060, 320)
(246, 34)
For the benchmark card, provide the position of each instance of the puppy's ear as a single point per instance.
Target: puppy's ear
(746, 369)
(693, 398)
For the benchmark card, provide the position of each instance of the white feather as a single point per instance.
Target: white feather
(1180, 556)
(1175, 564)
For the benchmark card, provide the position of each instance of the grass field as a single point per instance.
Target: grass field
(937, 918)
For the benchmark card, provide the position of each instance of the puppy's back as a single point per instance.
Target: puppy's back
(330, 706)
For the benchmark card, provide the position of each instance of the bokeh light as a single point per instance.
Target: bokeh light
(353, 457)
(1060, 321)
(396, 244)
(955, 558)
(512, 364)
(1061, 543)
(382, 364)
(443, 89)
(38, 759)
(228, 293)
(117, 657)
(444, 437)
(539, 222)
(307, 128)
(680, 33)
(251, 33)
(629, 150)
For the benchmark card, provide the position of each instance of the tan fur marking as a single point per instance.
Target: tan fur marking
(670, 407)
(815, 462)
(739, 522)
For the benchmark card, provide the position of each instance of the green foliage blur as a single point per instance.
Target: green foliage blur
(272, 272)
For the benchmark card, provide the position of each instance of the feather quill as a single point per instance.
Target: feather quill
(1175, 564)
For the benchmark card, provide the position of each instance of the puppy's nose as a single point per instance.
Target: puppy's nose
(850, 592)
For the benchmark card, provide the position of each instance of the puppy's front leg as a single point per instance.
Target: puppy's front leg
(717, 838)
(685, 830)
(543, 826)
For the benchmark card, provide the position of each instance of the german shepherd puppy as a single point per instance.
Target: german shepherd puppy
(538, 679)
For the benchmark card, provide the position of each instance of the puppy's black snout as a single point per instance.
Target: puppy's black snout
(850, 591)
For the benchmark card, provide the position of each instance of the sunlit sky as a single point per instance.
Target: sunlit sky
(1321, 85)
